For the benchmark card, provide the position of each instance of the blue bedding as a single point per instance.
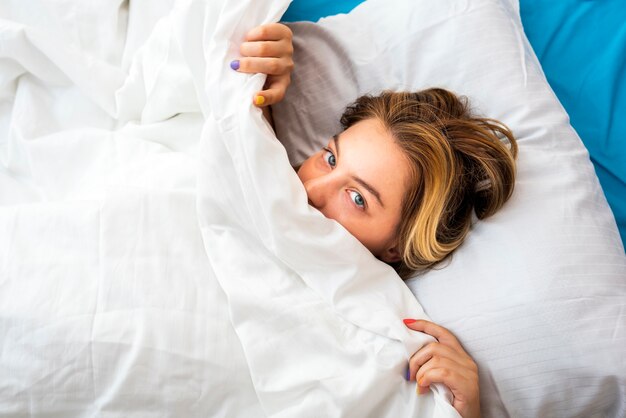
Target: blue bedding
(581, 45)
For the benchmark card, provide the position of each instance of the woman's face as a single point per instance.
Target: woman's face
(359, 180)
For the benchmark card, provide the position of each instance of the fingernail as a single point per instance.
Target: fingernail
(234, 65)
(259, 100)
(407, 375)
(420, 390)
(408, 321)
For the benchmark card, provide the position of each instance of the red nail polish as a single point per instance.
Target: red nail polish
(408, 321)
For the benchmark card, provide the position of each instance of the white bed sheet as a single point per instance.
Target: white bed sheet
(149, 263)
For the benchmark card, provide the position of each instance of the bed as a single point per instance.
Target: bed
(151, 267)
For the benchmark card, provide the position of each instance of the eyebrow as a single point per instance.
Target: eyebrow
(336, 142)
(359, 180)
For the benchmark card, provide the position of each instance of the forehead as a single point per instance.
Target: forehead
(370, 152)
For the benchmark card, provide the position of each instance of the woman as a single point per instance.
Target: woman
(405, 177)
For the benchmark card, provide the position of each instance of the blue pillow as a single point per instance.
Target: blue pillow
(314, 9)
(581, 45)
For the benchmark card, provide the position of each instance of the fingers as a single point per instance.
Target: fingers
(433, 353)
(440, 333)
(439, 370)
(269, 66)
(269, 49)
(275, 88)
(445, 362)
(460, 384)
(269, 32)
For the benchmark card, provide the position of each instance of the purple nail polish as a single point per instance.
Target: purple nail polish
(407, 375)
(234, 65)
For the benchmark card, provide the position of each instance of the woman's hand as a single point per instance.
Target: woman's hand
(445, 362)
(268, 49)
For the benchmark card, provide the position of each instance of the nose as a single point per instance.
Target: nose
(318, 190)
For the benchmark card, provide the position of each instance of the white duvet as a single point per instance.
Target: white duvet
(157, 253)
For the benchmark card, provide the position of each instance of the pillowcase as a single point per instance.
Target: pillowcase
(589, 80)
(536, 293)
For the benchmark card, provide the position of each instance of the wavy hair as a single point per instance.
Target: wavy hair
(460, 164)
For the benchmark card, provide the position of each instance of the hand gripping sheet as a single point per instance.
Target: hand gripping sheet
(319, 318)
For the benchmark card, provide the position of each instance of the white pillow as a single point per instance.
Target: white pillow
(537, 293)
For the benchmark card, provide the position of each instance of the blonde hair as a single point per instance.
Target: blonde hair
(459, 166)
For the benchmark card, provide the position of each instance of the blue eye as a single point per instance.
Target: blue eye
(330, 157)
(357, 199)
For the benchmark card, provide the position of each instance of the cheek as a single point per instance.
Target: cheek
(374, 232)
(343, 211)
(364, 234)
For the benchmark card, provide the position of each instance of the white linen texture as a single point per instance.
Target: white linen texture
(537, 293)
(158, 257)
